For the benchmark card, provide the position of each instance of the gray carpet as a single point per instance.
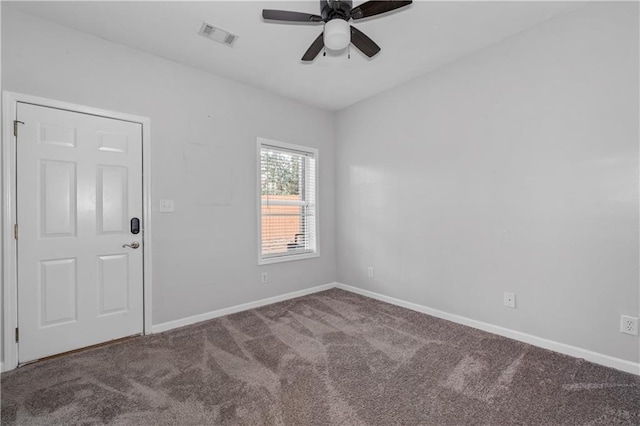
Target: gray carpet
(332, 358)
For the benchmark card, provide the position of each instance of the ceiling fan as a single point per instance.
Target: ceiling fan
(335, 15)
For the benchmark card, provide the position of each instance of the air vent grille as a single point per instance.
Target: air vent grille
(208, 30)
(217, 34)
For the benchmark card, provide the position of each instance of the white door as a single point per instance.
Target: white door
(79, 184)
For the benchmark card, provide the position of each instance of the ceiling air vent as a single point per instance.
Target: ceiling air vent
(217, 34)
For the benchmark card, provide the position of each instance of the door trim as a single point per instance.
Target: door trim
(10, 102)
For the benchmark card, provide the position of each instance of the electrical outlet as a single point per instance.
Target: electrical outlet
(509, 299)
(370, 271)
(265, 277)
(629, 325)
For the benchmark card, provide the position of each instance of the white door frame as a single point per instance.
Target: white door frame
(9, 253)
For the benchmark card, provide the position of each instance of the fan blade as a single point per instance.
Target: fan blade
(285, 15)
(375, 7)
(363, 43)
(314, 49)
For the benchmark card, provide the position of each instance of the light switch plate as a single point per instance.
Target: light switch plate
(166, 206)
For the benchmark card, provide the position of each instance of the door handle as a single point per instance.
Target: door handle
(133, 245)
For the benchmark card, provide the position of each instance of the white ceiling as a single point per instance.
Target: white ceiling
(414, 40)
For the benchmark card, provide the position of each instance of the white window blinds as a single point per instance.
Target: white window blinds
(287, 214)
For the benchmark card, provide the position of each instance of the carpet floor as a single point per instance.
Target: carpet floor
(331, 358)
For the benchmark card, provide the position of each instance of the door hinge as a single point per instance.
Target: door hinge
(15, 127)
(17, 335)
(15, 231)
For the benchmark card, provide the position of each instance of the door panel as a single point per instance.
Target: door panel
(58, 290)
(57, 135)
(113, 284)
(112, 200)
(79, 182)
(57, 199)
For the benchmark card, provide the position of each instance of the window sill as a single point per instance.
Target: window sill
(287, 258)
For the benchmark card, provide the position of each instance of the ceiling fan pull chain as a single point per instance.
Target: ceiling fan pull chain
(324, 51)
(349, 51)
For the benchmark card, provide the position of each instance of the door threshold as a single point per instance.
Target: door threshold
(79, 350)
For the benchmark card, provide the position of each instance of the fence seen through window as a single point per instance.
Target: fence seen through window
(288, 201)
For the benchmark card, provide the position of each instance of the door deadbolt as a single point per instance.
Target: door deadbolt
(135, 225)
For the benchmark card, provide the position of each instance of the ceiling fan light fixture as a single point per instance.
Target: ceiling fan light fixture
(337, 34)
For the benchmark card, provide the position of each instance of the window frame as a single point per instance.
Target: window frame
(262, 142)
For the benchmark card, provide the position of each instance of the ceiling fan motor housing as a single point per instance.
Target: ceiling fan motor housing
(332, 9)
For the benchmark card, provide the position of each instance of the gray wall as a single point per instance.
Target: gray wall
(513, 169)
(203, 136)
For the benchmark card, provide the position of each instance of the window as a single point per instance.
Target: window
(287, 212)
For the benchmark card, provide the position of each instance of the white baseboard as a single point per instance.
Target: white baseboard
(595, 357)
(165, 326)
(1, 367)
